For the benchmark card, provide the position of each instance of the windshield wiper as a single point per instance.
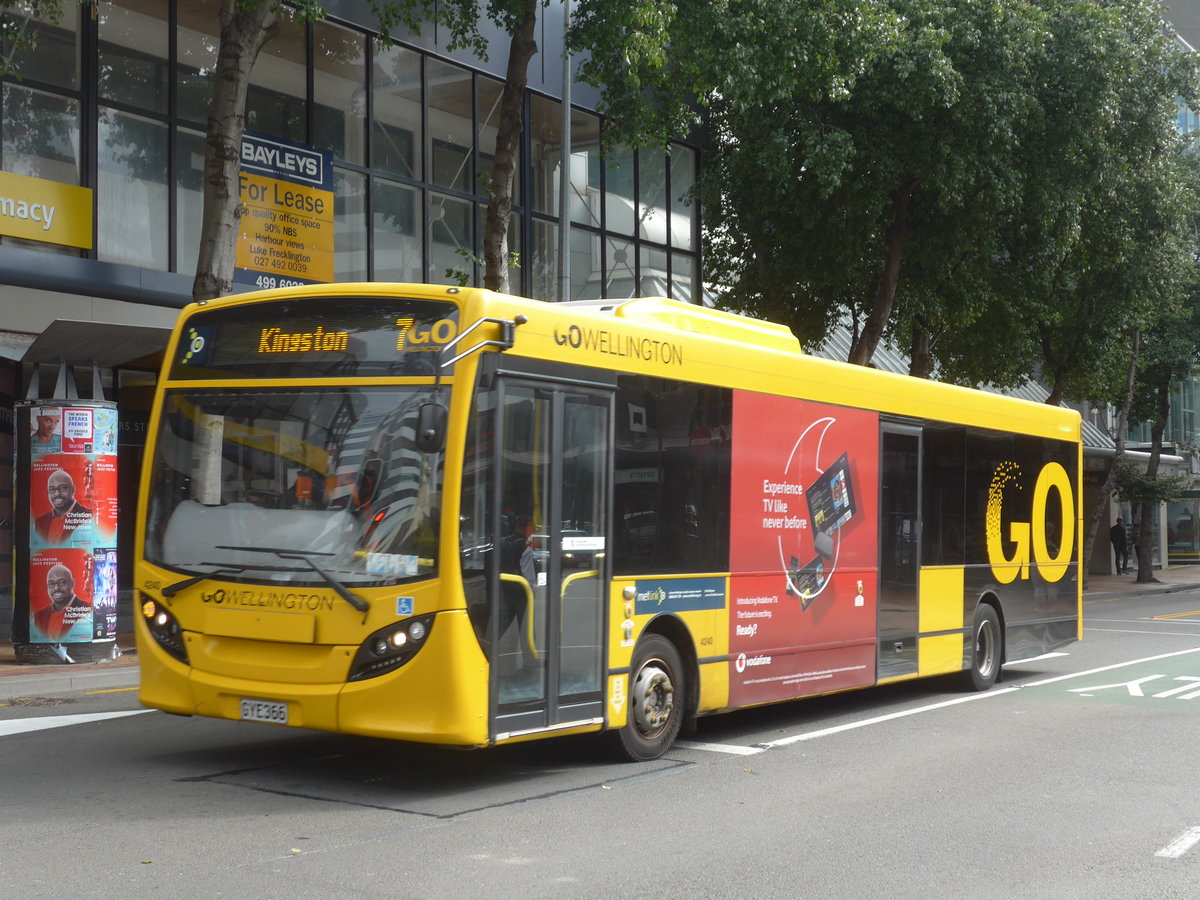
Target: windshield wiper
(222, 569)
(305, 556)
(172, 589)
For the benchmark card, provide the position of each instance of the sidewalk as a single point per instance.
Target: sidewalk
(1167, 581)
(19, 680)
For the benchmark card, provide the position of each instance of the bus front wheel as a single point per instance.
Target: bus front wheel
(656, 700)
(985, 650)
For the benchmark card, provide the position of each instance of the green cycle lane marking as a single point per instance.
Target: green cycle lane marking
(1158, 685)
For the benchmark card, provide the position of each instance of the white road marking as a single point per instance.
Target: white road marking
(1013, 662)
(741, 750)
(1182, 844)
(734, 749)
(849, 726)
(1191, 635)
(1132, 662)
(1133, 687)
(41, 723)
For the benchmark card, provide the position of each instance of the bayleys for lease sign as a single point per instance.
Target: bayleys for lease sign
(286, 235)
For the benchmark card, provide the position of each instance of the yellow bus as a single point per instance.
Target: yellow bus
(445, 515)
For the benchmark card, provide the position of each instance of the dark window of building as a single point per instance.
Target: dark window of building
(54, 59)
(133, 52)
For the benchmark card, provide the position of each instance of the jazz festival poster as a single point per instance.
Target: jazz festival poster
(72, 523)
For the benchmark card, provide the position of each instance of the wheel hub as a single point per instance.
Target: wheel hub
(985, 649)
(653, 696)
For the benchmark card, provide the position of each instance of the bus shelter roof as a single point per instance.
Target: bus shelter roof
(98, 343)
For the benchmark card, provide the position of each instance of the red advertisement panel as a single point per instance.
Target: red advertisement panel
(78, 430)
(804, 548)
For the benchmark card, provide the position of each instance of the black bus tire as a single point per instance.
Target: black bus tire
(656, 700)
(986, 648)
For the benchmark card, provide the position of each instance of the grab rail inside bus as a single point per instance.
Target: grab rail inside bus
(577, 576)
(529, 609)
(530, 631)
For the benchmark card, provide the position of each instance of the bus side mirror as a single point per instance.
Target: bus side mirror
(431, 427)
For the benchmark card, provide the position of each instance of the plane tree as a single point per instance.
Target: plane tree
(943, 175)
(1170, 352)
(840, 170)
(1099, 243)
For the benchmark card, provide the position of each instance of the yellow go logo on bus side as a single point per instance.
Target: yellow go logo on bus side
(1034, 539)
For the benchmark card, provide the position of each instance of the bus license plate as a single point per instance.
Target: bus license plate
(264, 711)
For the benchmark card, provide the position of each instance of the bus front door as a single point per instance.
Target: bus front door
(553, 525)
(899, 549)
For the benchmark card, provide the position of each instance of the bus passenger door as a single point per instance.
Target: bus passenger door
(899, 548)
(553, 502)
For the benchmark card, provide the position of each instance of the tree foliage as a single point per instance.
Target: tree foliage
(1098, 244)
(981, 182)
(1171, 351)
(18, 30)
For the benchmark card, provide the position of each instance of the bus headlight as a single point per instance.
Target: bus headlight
(164, 628)
(389, 648)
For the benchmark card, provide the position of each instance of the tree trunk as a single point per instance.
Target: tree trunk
(1149, 510)
(508, 137)
(920, 361)
(863, 348)
(1100, 510)
(244, 31)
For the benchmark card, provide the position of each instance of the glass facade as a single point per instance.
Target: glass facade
(411, 136)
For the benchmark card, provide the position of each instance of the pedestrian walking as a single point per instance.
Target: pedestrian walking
(1120, 545)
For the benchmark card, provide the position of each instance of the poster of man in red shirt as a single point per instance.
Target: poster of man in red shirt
(72, 499)
(61, 596)
(66, 513)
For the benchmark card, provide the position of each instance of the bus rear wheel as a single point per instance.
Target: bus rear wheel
(656, 700)
(985, 651)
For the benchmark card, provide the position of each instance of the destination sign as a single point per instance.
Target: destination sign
(317, 336)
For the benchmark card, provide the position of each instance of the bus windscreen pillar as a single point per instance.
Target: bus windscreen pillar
(65, 535)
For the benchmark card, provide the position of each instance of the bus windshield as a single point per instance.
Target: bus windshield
(243, 478)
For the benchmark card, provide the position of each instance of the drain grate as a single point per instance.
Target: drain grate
(39, 701)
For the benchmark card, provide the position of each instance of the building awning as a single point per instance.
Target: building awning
(99, 343)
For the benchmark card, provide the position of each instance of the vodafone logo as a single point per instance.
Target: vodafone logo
(742, 663)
